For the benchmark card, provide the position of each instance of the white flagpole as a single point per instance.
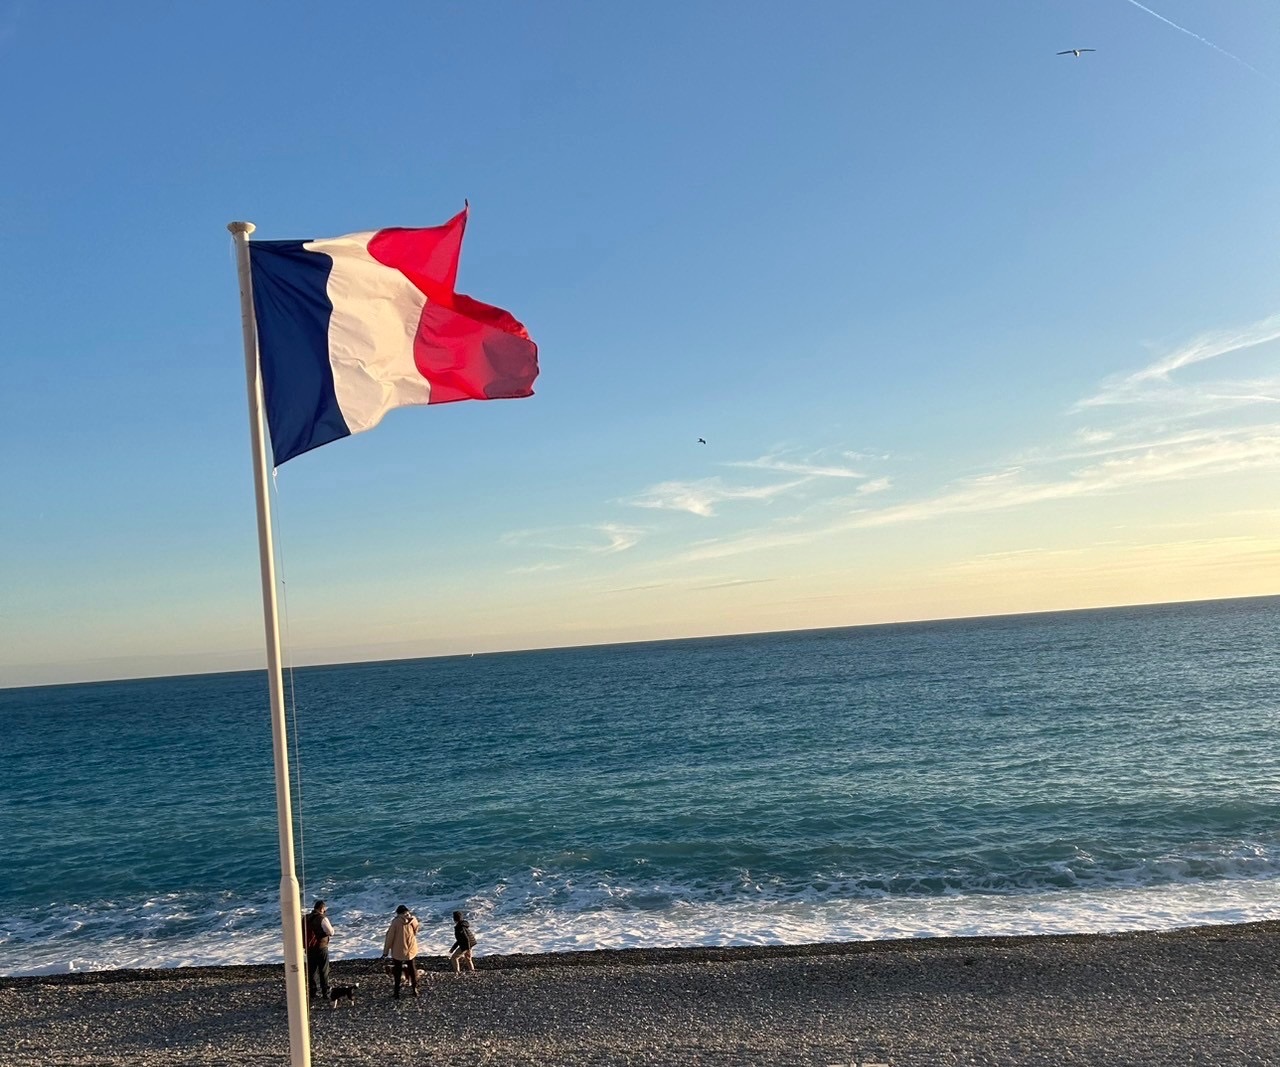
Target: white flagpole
(295, 975)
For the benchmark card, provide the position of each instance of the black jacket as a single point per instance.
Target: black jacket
(462, 935)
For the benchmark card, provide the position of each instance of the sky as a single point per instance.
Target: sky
(968, 327)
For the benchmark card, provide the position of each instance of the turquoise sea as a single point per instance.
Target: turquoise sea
(1078, 771)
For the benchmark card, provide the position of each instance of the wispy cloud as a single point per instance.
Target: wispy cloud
(617, 538)
(604, 538)
(537, 568)
(755, 541)
(1199, 455)
(1109, 557)
(1157, 425)
(1147, 384)
(809, 468)
(702, 497)
(1136, 440)
(1159, 432)
(1245, 398)
(732, 583)
(1221, 453)
(689, 586)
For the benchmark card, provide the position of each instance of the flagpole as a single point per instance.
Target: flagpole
(290, 906)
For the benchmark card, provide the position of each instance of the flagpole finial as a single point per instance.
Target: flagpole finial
(245, 228)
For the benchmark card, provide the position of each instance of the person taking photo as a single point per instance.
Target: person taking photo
(401, 944)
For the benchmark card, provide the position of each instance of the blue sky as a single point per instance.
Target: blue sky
(968, 327)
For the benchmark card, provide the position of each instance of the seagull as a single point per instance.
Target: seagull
(701, 441)
(1076, 51)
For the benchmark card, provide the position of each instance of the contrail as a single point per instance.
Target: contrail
(1190, 33)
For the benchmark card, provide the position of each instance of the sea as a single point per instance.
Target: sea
(1099, 770)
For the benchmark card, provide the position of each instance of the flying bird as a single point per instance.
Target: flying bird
(1076, 51)
(701, 441)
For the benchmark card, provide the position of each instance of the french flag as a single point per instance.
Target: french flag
(351, 327)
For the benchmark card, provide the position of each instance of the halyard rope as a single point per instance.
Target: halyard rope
(293, 701)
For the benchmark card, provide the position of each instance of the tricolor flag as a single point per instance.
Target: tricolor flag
(352, 327)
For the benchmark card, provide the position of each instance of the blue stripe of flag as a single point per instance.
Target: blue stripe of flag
(292, 308)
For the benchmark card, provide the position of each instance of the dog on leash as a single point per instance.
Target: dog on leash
(342, 992)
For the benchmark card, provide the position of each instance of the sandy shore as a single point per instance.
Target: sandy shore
(1204, 996)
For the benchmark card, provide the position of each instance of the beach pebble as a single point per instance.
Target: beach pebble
(1205, 996)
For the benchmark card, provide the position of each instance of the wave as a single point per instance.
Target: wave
(543, 911)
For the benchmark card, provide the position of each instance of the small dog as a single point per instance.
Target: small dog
(342, 992)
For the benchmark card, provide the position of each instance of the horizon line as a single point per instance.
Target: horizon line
(648, 641)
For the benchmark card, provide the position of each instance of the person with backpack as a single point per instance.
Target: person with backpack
(463, 942)
(316, 931)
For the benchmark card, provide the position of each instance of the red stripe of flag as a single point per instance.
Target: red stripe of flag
(465, 349)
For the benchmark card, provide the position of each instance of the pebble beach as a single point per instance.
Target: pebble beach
(1208, 995)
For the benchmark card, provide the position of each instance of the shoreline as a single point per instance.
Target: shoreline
(647, 957)
(1194, 994)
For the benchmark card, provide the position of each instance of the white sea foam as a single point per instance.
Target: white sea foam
(249, 933)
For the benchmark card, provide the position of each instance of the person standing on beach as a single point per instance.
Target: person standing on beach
(401, 944)
(316, 931)
(463, 942)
